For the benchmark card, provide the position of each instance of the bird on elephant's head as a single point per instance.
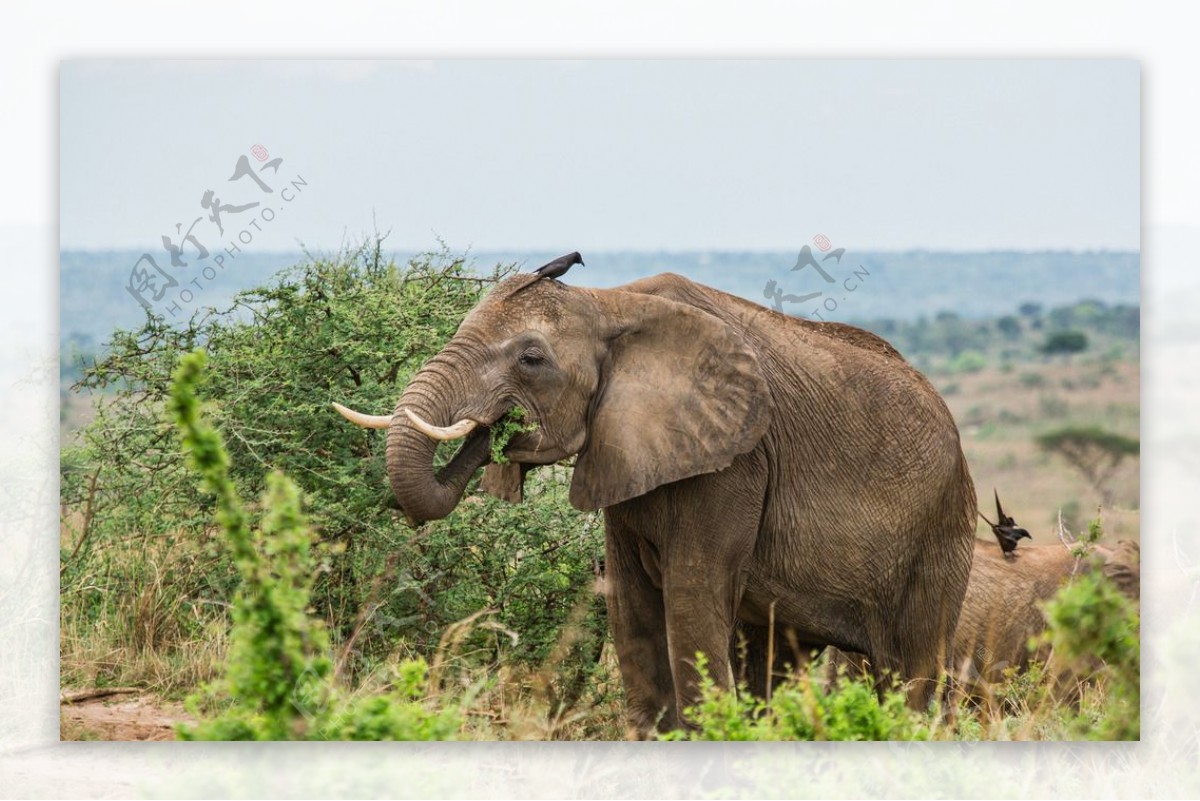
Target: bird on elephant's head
(750, 466)
(553, 270)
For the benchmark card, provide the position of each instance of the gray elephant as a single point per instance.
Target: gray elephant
(751, 467)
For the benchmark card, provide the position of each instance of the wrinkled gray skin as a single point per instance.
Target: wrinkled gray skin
(743, 459)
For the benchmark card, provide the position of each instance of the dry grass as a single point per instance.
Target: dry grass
(131, 620)
(999, 414)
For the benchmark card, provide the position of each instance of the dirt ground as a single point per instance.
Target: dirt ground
(118, 716)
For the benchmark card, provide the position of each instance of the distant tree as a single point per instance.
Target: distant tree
(1123, 321)
(1094, 452)
(919, 336)
(969, 361)
(1010, 326)
(953, 335)
(1030, 309)
(1065, 342)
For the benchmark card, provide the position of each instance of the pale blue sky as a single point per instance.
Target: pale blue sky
(608, 155)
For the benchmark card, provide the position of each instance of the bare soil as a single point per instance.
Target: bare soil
(123, 716)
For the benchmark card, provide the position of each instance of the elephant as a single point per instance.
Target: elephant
(1002, 608)
(750, 467)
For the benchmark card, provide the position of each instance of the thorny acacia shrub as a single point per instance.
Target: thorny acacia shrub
(352, 328)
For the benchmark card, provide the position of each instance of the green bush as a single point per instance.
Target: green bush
(1094, 631)
(1065, 342)
(969, 361)
(278, 683)
(803, 708)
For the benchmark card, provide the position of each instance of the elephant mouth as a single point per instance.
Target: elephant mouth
(475, 444)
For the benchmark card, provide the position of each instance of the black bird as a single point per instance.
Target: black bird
(554, 269)
(1007, 532)
(558, 268)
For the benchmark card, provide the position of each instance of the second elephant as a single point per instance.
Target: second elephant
(1002, 610)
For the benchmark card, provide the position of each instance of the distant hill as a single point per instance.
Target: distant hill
(867, 285)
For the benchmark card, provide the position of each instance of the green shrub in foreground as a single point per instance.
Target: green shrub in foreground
(278, 683)
(802, 708)
(1094, 632)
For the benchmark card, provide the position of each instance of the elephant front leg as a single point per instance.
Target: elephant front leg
(700, 620)
(639, 629)
(707, 550)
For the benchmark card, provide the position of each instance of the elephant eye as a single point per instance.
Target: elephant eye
(532, 358)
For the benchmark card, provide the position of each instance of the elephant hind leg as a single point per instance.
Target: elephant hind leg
(883, 661)
(923, 640)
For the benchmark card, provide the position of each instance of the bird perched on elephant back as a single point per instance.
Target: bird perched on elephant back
(1008, 533)
(751, 467)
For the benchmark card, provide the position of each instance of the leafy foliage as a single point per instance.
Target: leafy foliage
(507, 427)
(806, 707)
(278, 678)
(1094, 631)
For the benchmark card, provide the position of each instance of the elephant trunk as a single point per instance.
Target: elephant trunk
(423, 493)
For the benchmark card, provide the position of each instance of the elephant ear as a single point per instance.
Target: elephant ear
(505, 481)
(681, 393)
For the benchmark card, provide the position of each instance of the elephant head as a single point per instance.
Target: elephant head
(1122, 566)
(645, 390)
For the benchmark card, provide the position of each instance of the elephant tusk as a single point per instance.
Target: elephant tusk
(364, 420)
(459, 429)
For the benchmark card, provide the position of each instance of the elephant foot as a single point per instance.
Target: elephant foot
(646, 723)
